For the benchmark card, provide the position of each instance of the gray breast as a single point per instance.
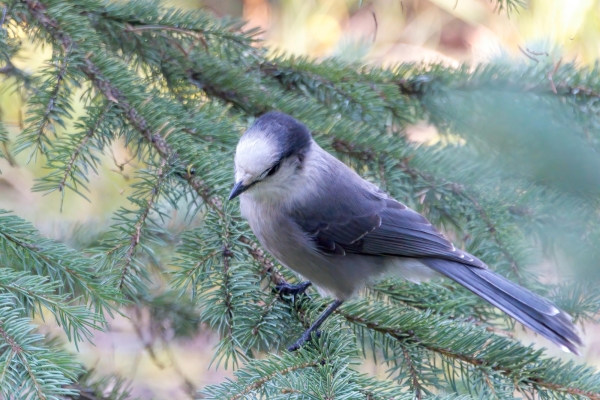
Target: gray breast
(339, 277)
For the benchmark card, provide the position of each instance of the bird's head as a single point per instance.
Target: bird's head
(269, 154)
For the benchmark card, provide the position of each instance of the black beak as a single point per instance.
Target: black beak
(238, 189)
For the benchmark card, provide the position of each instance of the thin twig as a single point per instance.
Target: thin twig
(226, 278)
(189, 386)
(137, 234)
(257, 384)
(17, 350)
(376, 25)
(551, 76)
(147, 344)
(161, 28)
(527, 54)
(413, 373)
(60, 77)
(536, 53)
(137, 230)
(82, 143)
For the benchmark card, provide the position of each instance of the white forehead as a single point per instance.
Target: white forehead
(254, 154)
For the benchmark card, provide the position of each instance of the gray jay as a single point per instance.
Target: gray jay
(321, 219)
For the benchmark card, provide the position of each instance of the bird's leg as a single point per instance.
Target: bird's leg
(294, 290)
(313, 328)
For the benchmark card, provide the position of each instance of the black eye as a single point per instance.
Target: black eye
(274, 169)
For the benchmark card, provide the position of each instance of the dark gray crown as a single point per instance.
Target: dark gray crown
(291, 136)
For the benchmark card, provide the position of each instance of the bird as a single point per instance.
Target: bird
(319, 218)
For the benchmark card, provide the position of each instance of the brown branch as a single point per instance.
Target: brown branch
(402, 336)
(26, 245)
(527, 54)
(133, 116)
(17, 350)
(45, 121)
(204, 192)
(267, 308)
(226, 255)
(490, 384)
(9, 340)
(188, 386)
(413, 373)
(259, 256)
(83, 142)
(260, 382)
(38, 387)
(36, 250)
(147, 344)
(137, 233)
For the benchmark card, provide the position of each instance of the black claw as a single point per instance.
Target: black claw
(294, 290)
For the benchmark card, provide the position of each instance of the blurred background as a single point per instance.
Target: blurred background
(380, 32)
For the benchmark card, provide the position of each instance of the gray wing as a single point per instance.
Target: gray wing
(377, 226)
(358, 220)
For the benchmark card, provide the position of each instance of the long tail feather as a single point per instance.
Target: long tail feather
(526, 307)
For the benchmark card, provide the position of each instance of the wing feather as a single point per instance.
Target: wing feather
(385, 228)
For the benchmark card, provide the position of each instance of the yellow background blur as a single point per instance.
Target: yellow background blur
(380, 32)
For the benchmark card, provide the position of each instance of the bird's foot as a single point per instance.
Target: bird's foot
(294, 290)
(305, 338)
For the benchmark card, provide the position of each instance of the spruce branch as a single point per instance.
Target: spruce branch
(17, 351)
(136, 17)
(79, 150)
(30, 367)
(51, 107)
(68, 274)
(60, 79)
(414, 375)
(135, 238)
(131, 113)
(35, 293)
(256, 385)
(315, 372)
(71, 158)
(93, 72)
(492, 231)
(20, 76)
(483, 353)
